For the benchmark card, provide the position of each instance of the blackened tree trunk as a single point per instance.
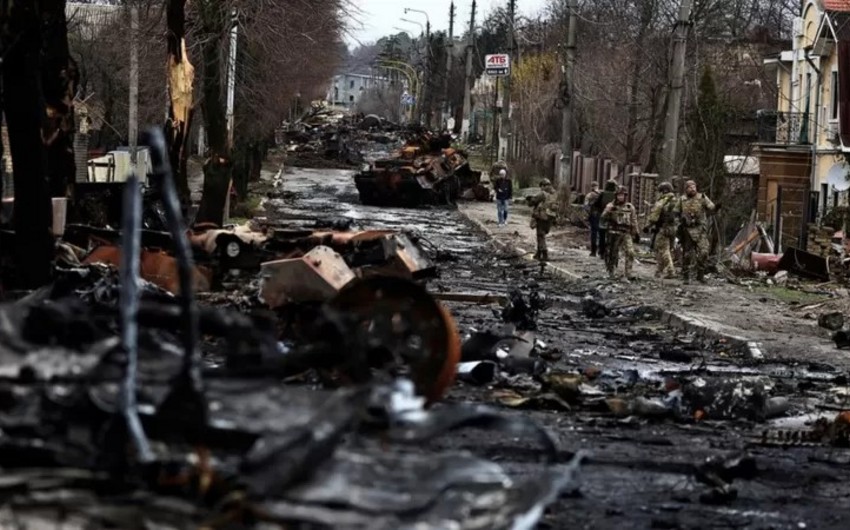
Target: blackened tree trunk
(181, 81)
(23, 104)
(218, 168)
(59, 78)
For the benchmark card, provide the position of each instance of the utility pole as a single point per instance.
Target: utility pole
(429, 77)
(505, 130)
(133, 118)
(566, 170)
(449, 60)
(231, 77)
(674, 102)
(467, 89)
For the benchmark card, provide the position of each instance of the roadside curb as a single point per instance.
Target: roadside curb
(690, 324)
(512, 249)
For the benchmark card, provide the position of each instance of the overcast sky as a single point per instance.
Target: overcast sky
(378, 18)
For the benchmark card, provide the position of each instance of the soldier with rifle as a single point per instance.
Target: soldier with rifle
(693, 210)
(662, 222)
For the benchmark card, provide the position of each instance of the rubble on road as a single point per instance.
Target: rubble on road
(425, 170)
(112, 416)
(331, 139)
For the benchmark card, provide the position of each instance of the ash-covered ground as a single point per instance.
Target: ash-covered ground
(650, 466)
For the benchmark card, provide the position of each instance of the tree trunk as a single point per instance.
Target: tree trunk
(218, 169)
(258, 154)
(638, 62)
(23, 104)
(181, 80)
(59, 78)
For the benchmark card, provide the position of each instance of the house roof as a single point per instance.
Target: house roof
(841, 25)
(841, 6)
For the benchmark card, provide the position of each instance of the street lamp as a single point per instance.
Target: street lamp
(411, 10)
(414, 22)
(427, 97)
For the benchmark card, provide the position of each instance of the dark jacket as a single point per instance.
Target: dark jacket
(609, 193)
(504, 189)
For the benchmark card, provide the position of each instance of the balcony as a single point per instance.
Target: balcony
(785, 128)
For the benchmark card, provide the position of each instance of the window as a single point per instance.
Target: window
(351, 84)
(351, 99)
(834, 93)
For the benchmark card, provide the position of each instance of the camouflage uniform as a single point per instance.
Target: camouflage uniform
(605, 198)
(542, 218)
(693, 233)
(594, 211)
(663, 218)
(622, 227)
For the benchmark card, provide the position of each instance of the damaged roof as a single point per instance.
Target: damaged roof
(841, 6)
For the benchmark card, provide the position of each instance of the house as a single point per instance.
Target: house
(808, 135)
(346, 89)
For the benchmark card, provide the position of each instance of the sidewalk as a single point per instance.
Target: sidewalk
(758, 319)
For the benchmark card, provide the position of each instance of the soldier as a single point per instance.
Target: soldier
(621, 219)
(693, 209)
(542, 217)
(662, 222)
(605, 198)
(594, 210)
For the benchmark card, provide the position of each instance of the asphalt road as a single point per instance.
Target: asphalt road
(642, 468)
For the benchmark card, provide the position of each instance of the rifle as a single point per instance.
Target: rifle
(684, 236)
(655, 231)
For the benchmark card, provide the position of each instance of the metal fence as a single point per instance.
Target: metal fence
(785, 128)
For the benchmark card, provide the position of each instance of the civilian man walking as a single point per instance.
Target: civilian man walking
(504, 193)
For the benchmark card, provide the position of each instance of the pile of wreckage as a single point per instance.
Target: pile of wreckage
(426, 170)
(334, 139)
(753, 251)
(126, 404)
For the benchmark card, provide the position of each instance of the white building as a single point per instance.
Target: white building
(346, 89)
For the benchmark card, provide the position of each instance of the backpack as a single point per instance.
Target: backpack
(668, 214)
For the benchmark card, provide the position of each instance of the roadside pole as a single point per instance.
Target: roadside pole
(467, 89)
(674, 103)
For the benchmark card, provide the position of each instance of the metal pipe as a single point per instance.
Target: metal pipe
(131, 250)
(177, 227)
(803, 243)
(777, 227)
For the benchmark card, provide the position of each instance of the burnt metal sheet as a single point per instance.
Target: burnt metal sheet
(317, 276)
(804, 264)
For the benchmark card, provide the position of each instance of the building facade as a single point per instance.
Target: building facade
(347, 89)
(804, 142)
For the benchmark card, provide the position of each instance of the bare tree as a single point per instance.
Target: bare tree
(276, 39)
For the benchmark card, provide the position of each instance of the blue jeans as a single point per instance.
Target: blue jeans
(502, 210)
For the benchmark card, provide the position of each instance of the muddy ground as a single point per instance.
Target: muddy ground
(783, 319)
(641, 470)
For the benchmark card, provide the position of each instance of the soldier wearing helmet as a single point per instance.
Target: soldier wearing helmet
(693, 209)
(621, 218)
(594, 211)
(542, 217)
(662, 222)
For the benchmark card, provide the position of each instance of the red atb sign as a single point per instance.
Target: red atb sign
(497, 64)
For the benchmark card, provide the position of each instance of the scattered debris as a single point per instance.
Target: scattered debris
(805, 264)
(523, 312)
(832, 321)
